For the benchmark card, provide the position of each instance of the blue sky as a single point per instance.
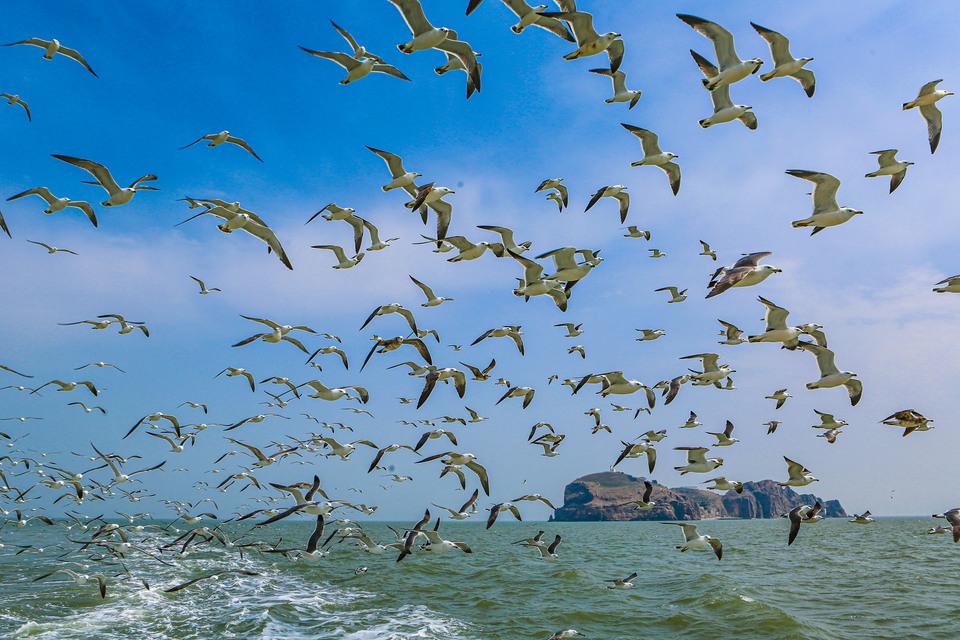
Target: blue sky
(172, 72)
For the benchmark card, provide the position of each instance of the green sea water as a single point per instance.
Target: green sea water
(838, 581)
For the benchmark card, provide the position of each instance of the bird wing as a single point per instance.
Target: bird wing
(779, 44)
(390, 70)
(707, 68)
(648, 139)
(266, 234)
(98, 171)
(394, 162)
(721, 98)
(721, 38)
(413, 15)
(776, 317)
(824, 190)
(824, 358)
(243, 145)
(934, 120)
(346, 36)
(624, 198)
(73, 53)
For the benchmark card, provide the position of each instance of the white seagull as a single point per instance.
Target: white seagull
(118, 196)
(732, 68)
(693, 539)
(216, 139)
(784, 64)
(57, 204)
(826, 211)
(652, 155)
(53, 47)
(830, 376)
(620, 91)
(926, 99)
(890, 166)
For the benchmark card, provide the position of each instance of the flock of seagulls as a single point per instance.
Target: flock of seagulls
(554, 274)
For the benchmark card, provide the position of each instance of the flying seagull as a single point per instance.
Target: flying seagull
(54, 47)
(216, 139)
(890, 166)
(785, 65)
(732, 68)
(926, 99)
(652, 155)
(118, 196)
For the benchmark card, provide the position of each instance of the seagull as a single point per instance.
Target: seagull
(391, 344)
(830, 376)
(426, 36)
(568, 269)
(237, 371)
(466, 510)
(566, 633)
(344, 261)
(778, 331)
(863, 518)
(224, 136)
(953, 285)
(394, 307)
(506, 237)
(52, 249)
(432, 299)
(799, 515)
(526, 393)
(549, 553)
(437, 544)
(620, 91)
(86, 408)
(328, 351)
(589, 42)
(430, 381)
(118, 196)
(732, 68)
(720, 483)
(238, 218)
(561, 191)
(650, 334)
(203, 287)
(508, 331)
(656, 253)
(745, 272)
(634, 232)
(80, 579)
(311, 553)
(617, 191)
(454, 63)
(655, 436)
(926, 99)
(693, 539)
(468, 250)
(784, 64)
(481, 375)
(827, 421)
(697, 462)
(57, 204)
(401, 177)
(655, 157)
(712, 372)
(890, 166)
(331, 394)
(497, 509)
(910, 419)
(358, 68)
(677, 295)
(468, 460)
(127, 326)
(530, 16)
(644, 503)
(622, 583)
(262, 460)
(635, 450)
(830, 435)
(12, 99)
(573, 330)
(799, 475)
(780, 395)
(724, 439)
(734, 335)
(826, 211)
(54, 47)
(70, 386)
(772, 425)
(725, 111)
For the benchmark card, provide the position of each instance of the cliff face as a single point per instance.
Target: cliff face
(601, 496)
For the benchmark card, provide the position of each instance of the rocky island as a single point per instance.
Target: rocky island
(599, 496)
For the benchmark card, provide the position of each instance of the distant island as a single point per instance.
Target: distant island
(598, 496)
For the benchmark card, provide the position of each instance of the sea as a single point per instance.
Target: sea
(838, 581)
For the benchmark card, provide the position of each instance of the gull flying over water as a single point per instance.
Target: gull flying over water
(693, 539)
